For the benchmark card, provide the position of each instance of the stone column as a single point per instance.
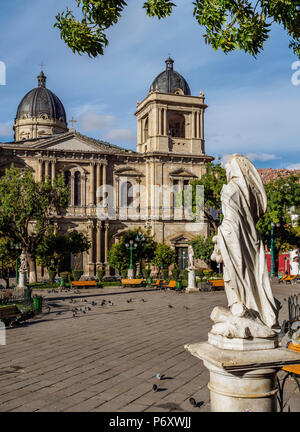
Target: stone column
(92, 183)
(91, 262)
(47, 169)
(106, 249)
(197, 124)
(117, 196)
(159, 121)
(98, 244)
(53, 162)
(202, 124)
(40, 171)
(165, 122)
(98, 182)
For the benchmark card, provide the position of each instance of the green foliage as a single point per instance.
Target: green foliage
(283, 200)
(52, 274)
(8, 256)
(119, 256)
(77, 274)
(229, 24)
(100, 274)
(203, 248)
(164, 256)
(212, 181)
(176, 272)
(24, 202)
(53, 247)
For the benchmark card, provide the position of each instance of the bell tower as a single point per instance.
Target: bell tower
(170, 119)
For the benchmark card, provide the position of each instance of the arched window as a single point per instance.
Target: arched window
(68, 183)
(77, 189)
(176, 125)
(126, 194)
(146, 130)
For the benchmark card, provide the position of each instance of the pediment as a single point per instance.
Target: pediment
(181, 172)
(181, 238)
(128, 172)
(76, 142)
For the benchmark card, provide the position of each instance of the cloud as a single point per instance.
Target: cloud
(91, 121)
(295, 166)
(121, 135)
(6, 129)
(263, 157)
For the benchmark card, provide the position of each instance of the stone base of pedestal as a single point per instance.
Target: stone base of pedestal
(19, 291)
(237, 344)
(130, 274)
(243, 380)
(192, 290)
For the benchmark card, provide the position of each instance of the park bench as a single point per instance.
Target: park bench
(287, 279)
(292, 371)
(158, 283)
(83, 284)
(171, 285)
(216, 283)
(9, 314)
(131, 282)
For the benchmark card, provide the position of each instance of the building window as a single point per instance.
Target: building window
(126, 195)
(176, 125)
(68, 183)
(77, 189)
(146, 129)
(177, 195)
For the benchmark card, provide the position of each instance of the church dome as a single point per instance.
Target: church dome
(41, 102)
(170, 81)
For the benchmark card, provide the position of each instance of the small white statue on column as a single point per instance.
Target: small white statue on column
(23, 271)
(191, 271)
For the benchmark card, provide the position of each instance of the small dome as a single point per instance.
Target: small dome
(170, 81)
(41, 102)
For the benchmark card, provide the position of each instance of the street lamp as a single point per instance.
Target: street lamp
(273, 225)
(131, 246)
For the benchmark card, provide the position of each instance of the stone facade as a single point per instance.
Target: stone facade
(113, 189)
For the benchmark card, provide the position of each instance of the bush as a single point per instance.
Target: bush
(100, 274)
(176, 272)
(146, 273)
(165, 274)
(64, 275)
(124, 273)
(77, 274)
(184, 274)
(52, 274)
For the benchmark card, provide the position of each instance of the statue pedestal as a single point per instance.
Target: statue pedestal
(191, 282)
(243, 380)
(130, 274)
(22, 282)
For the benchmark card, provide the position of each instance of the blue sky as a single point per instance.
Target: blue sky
(253, 107)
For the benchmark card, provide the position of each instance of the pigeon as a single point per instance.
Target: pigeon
(192, 402)
(142, 300)
(84, 311)
(185, 307)
(170, 306)
(58, 313)
(160, 376)
(93, 303)
(154, 387)
(103, 303)
(74, 315)
(87, 308)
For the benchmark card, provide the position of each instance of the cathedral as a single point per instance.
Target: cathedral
(113, 189)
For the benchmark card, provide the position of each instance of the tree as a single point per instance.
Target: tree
(28, 210)
(119, 257)
(164, 256)
(213, 181)
(229, 24)
(283, 196)
(203, 248)
(53, 247)
(8, 255)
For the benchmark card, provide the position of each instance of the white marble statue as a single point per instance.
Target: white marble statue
(191, 257)
(253, 312)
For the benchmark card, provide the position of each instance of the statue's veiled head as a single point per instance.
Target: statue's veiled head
(241, 169)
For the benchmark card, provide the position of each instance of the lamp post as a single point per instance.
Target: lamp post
(273, 225)
(131, 246)
(183, 256)
(139, 238)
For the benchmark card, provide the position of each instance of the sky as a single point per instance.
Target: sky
(253, 104)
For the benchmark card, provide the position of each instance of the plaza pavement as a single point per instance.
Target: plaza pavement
(107, 359)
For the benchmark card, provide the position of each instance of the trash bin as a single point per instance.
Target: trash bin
(37, 302)
(178, 284)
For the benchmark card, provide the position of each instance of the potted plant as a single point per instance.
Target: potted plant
(77, 274)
